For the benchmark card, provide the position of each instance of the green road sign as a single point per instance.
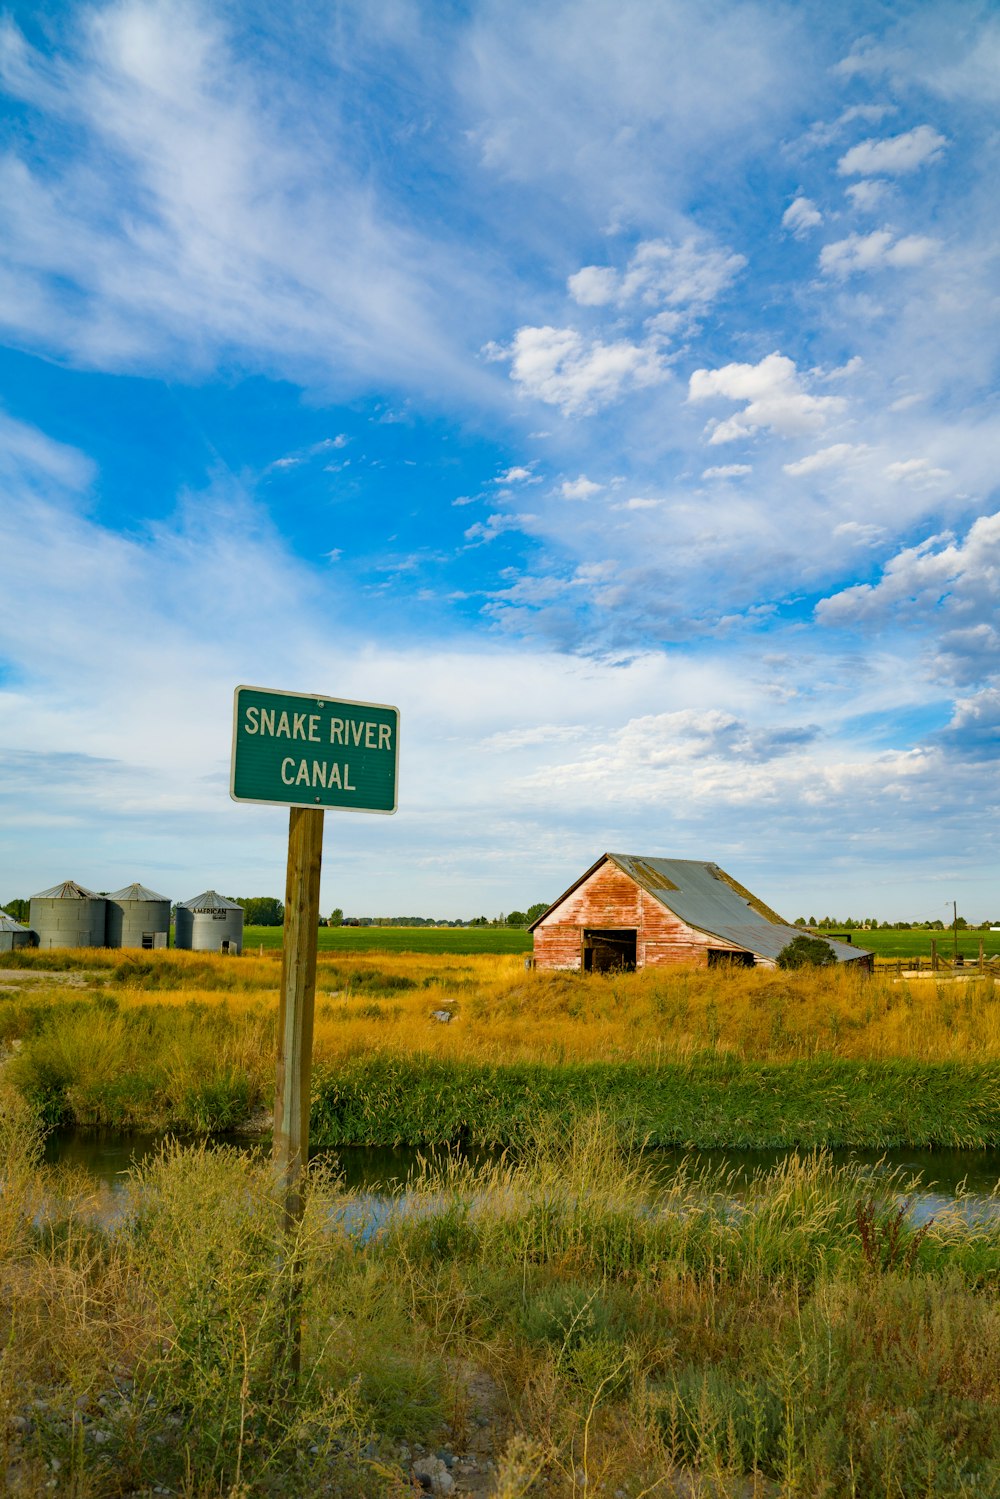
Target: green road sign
(290, 750)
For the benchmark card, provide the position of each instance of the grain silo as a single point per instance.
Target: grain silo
(13, 934)
(138, 917)
(69, 915)
(209, 923)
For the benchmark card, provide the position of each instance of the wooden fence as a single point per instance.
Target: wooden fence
(941, 963)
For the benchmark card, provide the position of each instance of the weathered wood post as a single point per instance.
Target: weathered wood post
(307, 753)
(934, 960)
(297, 1007)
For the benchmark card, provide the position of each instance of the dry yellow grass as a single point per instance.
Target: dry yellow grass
(384, 1002)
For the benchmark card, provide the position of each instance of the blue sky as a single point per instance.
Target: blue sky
(611, 386)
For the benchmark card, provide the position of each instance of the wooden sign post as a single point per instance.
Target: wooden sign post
(306, 753)
(297, 1007)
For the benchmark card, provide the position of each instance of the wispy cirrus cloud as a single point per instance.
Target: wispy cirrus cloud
(163, 238)
(801, 215)
(835, 456)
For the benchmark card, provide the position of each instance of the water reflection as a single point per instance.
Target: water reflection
(381, 1172)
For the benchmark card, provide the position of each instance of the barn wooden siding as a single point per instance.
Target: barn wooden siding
(610, 898)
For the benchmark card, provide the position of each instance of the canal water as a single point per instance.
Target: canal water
(381, 1172)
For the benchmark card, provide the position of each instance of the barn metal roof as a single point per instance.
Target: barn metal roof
(8, 924)
(210, 900)
(138, 892)
(68, 890)
(711, 901)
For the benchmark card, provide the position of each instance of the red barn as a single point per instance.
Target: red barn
(627, 911)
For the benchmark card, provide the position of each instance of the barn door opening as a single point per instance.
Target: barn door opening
(606, 949)
(719, 957)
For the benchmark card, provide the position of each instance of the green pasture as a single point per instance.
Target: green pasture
(916, 943)
(427, 939)
(913, 943)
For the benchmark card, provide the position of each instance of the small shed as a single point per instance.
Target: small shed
(13, 934)
(633, 911)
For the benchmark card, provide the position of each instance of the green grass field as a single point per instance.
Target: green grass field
(399, 939)
(917, 943)
(336, 939)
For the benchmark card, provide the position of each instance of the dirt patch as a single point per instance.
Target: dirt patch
(75, 979)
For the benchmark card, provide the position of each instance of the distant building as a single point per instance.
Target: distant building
(628, 911)
(138, 917)
(209, 923)
(69, 915)
(13, 934)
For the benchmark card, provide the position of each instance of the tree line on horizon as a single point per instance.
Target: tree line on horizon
(267, 910)
(872, 924)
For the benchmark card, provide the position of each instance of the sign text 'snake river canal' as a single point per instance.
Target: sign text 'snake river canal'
(318, 752)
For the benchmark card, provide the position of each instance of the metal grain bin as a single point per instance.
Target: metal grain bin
(13, 934)
(209, 923)
(69, 915)
(138, 917)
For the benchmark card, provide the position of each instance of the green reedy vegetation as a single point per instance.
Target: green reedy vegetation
(597, 1332)
(704, 1102)
(85, 1061)
(707, 1058)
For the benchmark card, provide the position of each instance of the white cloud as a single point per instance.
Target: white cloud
(832, 457)
(727, 471)
(30, 456)
(776, 399)
(688, 274)
(162, 239)
(801, 216)
(965, 576)
(859, 532)
(854, 366)
(579, 489)
(823, 132)
(915, 471)
(560, 367)
(516, 475)
(496, 525)
(872, 252)
(594, 285)
(893, 156)
(689, 756)
(872, 114)
(691, 273)
(615, 112)
(638, 502)
(868, 195)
